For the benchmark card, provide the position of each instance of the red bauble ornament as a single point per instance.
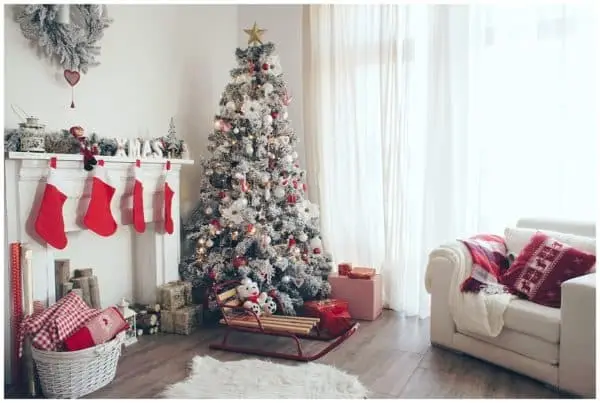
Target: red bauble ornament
(274, 115)
(215, 223)
(250, 228)
(305, 257)
(291, 242)
(222, 194)
(212, 275)
(265, 66)
(291, 199)
(239, 261)
(295, 184)
(316, 251)
(284, 182)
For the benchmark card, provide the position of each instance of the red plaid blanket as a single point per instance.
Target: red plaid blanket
(490, 261)
(50, 327)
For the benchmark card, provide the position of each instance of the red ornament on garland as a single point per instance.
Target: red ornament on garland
(265, 66)
(291, 199)
(239, 261)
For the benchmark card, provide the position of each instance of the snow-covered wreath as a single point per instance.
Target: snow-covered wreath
(73, 45)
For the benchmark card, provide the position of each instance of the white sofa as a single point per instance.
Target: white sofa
(555, 346)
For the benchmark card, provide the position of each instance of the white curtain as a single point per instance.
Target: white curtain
(426, 123)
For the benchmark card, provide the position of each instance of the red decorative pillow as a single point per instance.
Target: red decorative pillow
(99, 329)
(542, 266)
(490, 261)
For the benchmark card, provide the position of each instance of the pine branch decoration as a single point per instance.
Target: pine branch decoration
(72, 46)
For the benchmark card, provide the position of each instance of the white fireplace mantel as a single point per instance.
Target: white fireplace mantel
(153, 256)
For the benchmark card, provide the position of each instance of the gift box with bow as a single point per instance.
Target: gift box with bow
(334, 315)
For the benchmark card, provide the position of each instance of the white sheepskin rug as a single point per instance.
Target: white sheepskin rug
(255, 379)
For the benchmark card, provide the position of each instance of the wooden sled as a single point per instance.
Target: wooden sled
(239, 319)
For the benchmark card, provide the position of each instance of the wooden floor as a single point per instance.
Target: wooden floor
(391, 356)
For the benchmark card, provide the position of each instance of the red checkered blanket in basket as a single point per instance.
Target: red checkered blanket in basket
(490, 261)
(50, 327)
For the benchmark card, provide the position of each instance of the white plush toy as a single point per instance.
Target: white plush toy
(258, 302)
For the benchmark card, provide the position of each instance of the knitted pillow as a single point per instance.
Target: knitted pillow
(98, 330)
(542, 266)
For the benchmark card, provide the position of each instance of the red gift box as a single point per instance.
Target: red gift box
(334, 315)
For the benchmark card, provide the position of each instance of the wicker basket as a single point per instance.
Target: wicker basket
(72, 374)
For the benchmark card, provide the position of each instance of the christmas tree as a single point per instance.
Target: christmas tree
(253, 219)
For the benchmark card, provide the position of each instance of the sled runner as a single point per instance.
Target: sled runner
(237, 318)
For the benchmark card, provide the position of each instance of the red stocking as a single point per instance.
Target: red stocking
(168, 201)
(50, 224)
(98, 217)
(139, 223)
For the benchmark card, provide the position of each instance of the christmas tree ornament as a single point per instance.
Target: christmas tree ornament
(72, 78)
(303, 237)
(139, 222)
(230, 106)
(98, 217)
(236, 130)
(49, 224)
(239, 261)
(209, 243)
(255, 35)
(168, 194)
(234, 235)
(208, 211)
(250, 229)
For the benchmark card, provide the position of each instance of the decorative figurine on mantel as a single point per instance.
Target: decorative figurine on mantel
(88, 156)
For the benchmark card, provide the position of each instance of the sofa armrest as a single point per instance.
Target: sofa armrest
(443, 261)
(577, 362)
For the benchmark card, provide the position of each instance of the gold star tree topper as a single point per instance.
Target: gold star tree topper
(255, 34)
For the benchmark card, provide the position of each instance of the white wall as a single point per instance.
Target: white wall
(284, 28)
(157, 61)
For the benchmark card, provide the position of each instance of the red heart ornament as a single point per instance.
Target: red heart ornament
(72, 77)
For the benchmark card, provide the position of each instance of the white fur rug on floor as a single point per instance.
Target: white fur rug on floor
(255, 379)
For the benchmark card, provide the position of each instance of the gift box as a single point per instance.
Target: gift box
(175, 295)
(364, 296)
(362, 273)
(344, 269)
(333, 314)
(181, 321)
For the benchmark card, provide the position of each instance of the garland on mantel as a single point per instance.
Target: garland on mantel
(62, 142)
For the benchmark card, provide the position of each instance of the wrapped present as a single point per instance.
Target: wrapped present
(364, 296)
(361, 273)
(334, 315)
(181, 321)
(344, 269)
(175, 295)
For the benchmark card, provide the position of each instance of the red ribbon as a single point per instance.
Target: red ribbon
(253, 298)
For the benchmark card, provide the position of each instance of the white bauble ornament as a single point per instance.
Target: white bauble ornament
(315, 243)
(294, 155)
(208, 211)
(303, 237)
(288, 159)
(268, 119)
(209, 243)
(286, 279)
(236, 130)
(230, 106)
(279, 192)
(249, 149)
(238, 175)
(218, 124)
(285, 115)
(209, 172)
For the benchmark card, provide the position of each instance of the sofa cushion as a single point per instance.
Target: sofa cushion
(542, 266)
(533, 319)
(524, 344)
(517, 238)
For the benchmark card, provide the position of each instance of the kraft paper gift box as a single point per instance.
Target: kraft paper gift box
(364, 297)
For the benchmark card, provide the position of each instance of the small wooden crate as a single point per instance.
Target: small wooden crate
(181, 321)
(175, 295)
